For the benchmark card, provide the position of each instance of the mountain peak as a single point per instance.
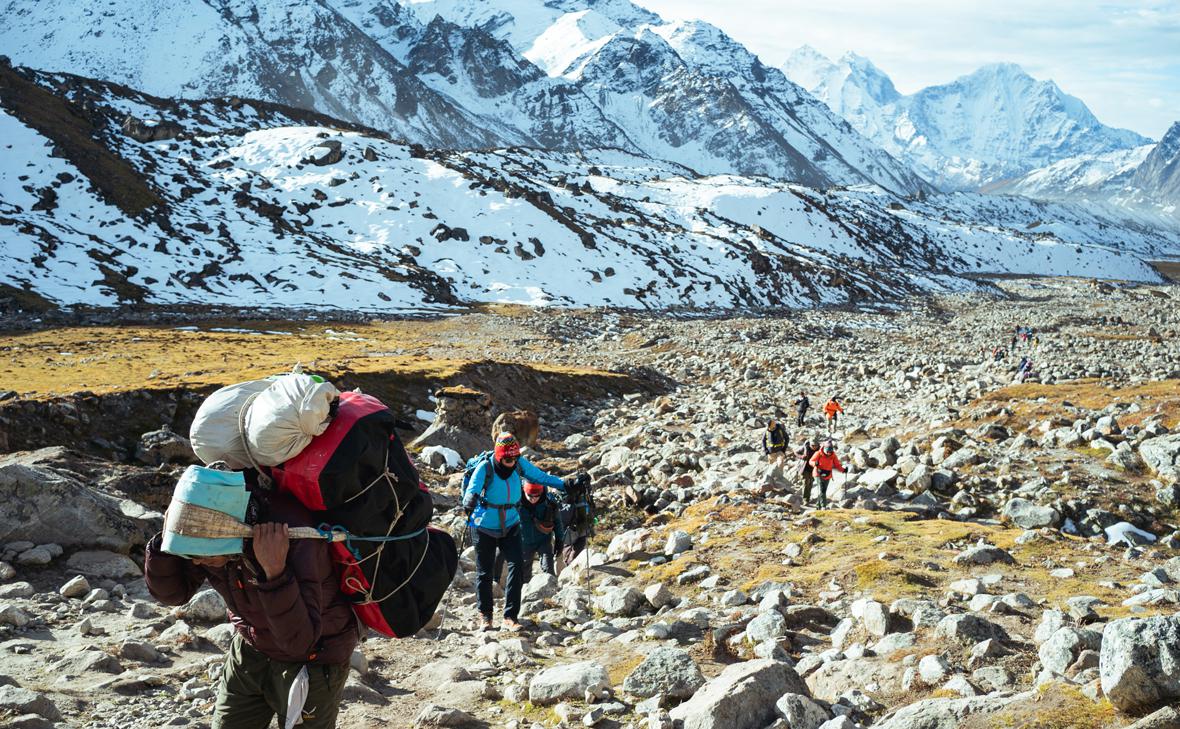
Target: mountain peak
(1003, 69)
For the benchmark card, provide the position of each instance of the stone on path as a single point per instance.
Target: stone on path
(568, 681)
(743, 696)
(666, 670)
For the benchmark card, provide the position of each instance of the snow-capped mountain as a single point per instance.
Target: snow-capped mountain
(108, 196)
(1087, 177)
(981, 129)
(684, 91)
(1144, 177)
(303, 54)
(564, 75)
(1159, 175)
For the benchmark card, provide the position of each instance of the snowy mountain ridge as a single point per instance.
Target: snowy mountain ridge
(979, 130)
(565, 75)
(110, 196)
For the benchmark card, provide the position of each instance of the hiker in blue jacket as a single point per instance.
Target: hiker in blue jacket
(491, 499)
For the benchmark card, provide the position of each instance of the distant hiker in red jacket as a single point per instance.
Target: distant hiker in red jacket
(833, 410)
(291, 622)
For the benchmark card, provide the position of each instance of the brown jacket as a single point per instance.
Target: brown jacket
(299, 617)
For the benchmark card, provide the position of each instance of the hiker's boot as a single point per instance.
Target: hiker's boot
(511, 626)
(485, 622)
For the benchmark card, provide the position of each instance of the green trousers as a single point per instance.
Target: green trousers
(254, 688)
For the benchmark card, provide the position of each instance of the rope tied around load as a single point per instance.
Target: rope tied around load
(351, 580)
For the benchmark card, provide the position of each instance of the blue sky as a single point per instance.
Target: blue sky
(1121, 58)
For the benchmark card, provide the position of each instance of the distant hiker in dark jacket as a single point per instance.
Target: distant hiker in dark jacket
(287, 611)
(801, 406)
(807, 471)
(774, 441)
(495, 523)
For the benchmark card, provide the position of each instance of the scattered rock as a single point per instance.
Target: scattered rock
(668, 671)
(743, 696)
(1140, 662)
(568, 681)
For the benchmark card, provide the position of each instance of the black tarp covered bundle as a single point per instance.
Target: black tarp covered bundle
(360, 479)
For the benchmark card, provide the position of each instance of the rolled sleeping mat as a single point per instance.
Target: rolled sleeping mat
(221, 492)
(206, 513)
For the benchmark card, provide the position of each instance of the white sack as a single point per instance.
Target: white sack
(214, 434)
(284, 417)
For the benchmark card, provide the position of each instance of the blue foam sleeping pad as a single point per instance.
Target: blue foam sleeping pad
(223, 491)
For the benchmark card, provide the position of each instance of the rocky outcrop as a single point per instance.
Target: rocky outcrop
(462, 420)
(1140, 662)
(945, 713)
(150, 130)
(41, 504)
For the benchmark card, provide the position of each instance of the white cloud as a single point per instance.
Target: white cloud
(1117, 56)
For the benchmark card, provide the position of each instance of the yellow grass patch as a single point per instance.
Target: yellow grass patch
(108, 359)
(1034, 402)
(1055, 706)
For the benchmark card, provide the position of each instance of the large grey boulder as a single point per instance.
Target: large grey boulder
(42, 504)
(743, 696)
(1140, 662)
(945, 713)
(1024, 513)
(983, 554)
(968, 628)
(830, 680)
(1062, 648)
(569, 681)
(207, 606)
(666, 670)
(800, 712)
(623, 601)
(24, 701)
(1162, 454)
(1166, 718)
(103, 563)
(769, 625)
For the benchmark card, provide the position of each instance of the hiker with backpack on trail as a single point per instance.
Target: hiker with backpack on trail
(292, 624)
(492, 489)
(824, 462)
(832, 410)
(774, 441)
(577, 517)
(803, 453)
(541, 529)
(801, 406)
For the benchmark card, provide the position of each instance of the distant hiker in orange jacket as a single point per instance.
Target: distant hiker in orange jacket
(824, 462)
(832, 410)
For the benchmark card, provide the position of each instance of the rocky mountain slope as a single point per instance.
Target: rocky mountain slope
(685, 93)
(978, 130)
(1145, 177)
(114, 196)
(998, 554)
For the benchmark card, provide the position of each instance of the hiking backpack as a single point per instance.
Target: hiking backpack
(358, 477)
